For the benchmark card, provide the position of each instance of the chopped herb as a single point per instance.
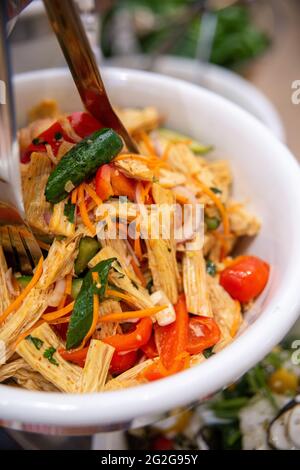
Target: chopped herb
(135, 284)
(48, 354)
(212, 223)
(44, 142)
(38, 343)
(216, 190)
(69, 212)
(208, 352)
(211, 268)
(36, 141)
(58, 136)
(155, 179)
(229, 408)
(149, 285)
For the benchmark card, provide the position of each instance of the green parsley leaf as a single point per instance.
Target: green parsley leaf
(211, 268)
(48, 354)
(208, 352)
(38, 343)
(69, 212)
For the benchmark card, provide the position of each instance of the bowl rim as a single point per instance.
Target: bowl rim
(125, 405)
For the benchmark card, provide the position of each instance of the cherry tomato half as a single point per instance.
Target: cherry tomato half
(246, 278)
(203, 333)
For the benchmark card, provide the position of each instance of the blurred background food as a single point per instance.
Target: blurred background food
(247, 51)
(258, 39)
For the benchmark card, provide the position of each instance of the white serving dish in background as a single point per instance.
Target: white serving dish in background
(218, 79)
(265, 173)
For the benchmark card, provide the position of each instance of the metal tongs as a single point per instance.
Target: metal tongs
(76, 48)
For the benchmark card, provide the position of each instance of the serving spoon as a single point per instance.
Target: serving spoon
(76, 48)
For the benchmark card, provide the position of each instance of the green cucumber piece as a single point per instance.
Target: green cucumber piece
(76, 286)
(81, 162)
(23, 281)
(176, 138)
(82, 315)
(88, 247)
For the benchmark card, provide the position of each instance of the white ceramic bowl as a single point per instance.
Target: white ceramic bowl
(265, 173)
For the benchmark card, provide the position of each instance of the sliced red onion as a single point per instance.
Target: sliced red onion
(47, 217)
(9, 283)
(57, 294)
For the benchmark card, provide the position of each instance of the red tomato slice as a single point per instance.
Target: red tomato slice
(246, 278)
(77, 357)
(133, 340)
(122, 361)
(171, 340)
(84, 124)
(162, 443)
(203, 333)
(150, 348)
(103, 182)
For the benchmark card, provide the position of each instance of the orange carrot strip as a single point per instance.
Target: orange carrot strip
(74, 196)
(120, 316)
(166, 152)
(18, 301)
(59, 321)
(120, 295)
(147, 141)
(59, 313)
(138, 272)
(68, 290)
(83, 211)
(92, 193)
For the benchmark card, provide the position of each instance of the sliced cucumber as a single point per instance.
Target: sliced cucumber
(76, 286)
(81, 162)
(23, 281)
(88, 247)
(176, 138)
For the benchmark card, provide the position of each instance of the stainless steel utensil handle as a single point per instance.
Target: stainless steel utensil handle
(10, 181)
(75, 45)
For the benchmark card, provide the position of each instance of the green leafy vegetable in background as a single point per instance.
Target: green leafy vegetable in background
(236, 40)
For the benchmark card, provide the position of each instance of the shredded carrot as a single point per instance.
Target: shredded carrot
(166, 151)
(68, 289)
(137, 244)
(181, 199)
(91, 206)
(122, 316)
(147, 141)
(115, 293)
(27, 333)
(59, 313)
(83, 211)
(138, 272)
(67, 292)
(92, 193)
(59, 321)
(18, 301)
(42, 245)
(74, 196)
(223, 212)
(237, 320)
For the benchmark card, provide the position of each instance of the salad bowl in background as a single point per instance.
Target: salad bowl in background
(264, 173)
